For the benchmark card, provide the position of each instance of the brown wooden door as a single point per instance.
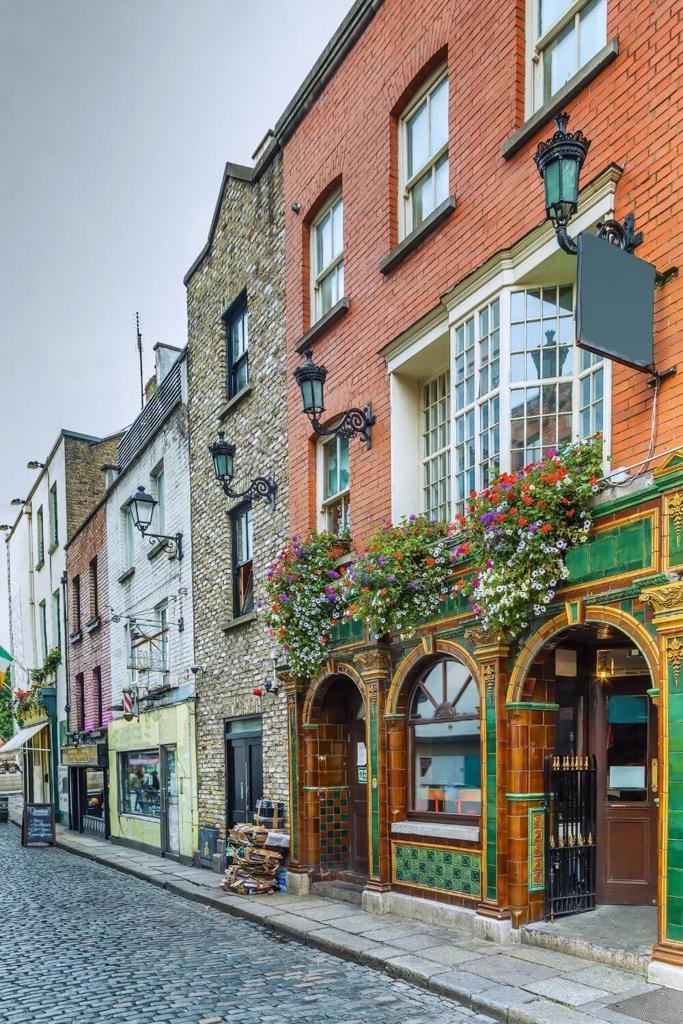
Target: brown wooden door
(625, 744)
(358, 797)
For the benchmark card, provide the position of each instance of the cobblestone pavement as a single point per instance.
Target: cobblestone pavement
(83, 944)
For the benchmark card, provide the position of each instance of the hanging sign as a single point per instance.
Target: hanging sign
(38, 824)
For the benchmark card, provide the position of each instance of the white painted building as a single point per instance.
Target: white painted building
(69, 484)
(150, 592)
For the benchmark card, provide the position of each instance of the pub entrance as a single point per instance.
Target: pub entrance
(602, 800)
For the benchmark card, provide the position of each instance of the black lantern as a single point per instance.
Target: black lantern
(559, 161)
(311, 379)
(142, 507)
(223, 457)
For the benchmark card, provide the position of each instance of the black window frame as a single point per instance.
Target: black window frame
(79, 686)
(97, 696)
(241, 606)
(76, 603)
(94, 582)
(236, 311)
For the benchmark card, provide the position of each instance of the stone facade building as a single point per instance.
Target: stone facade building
(151, 736)
(235, 303)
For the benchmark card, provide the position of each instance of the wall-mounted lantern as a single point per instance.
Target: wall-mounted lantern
(311, 381)
(142, 510)
(223, 456)
(559, 161)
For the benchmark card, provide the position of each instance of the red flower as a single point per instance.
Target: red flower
(528, 500)
(522, 521)
(571, 512)
(546, 528)
(430, 561)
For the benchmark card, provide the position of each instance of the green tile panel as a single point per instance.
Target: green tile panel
(622, 549)
(438, 868)
(491, 807)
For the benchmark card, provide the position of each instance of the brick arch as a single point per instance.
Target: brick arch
(318, 689)
(425, 652)
(626, 623)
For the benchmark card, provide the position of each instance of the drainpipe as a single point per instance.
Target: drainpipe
(65, 662)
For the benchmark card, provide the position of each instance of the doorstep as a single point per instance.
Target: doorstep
(620, 937)
(511, 982)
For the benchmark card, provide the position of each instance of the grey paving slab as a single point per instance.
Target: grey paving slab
(565, 990)
(609, 978)
(562, 962)
(394, 931)
(413, 967)
(499, 998)
(448, 955)
(328, 912)
(419, 940)
(542, 1011)
(357, 924)
(292, 924)
(459, 984)
(507, 970)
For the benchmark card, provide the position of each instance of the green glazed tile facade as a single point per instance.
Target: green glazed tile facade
(374, 789)
(334, 828)
(623, 549)
(675, 539)
(674, 840)
(436, 868)
(490, 768)
(294, 776)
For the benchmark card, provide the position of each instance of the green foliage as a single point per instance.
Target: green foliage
(6, 702)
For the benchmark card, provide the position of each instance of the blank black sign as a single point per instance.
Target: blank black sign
(615, 303)
(38, 824)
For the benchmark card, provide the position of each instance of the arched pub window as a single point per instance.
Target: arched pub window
(445, 742)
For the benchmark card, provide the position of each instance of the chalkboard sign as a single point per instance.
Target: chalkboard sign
(38, 824)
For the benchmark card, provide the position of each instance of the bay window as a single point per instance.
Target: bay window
(565, 35)
(436, 447)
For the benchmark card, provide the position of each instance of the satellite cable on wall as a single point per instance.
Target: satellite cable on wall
(139, 344)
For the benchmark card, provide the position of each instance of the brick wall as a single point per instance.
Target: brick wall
(245, 252)
(92, 650)
(84, 476)
(631, 112)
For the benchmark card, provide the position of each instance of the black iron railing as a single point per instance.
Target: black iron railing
(570, 835)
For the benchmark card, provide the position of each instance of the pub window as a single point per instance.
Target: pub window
(139, 783)
(423, 147)
(327, 257)
(242, 561)
(237, 332)
(565, 35)
(445, 742)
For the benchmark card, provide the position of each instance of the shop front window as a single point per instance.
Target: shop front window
(445, 742)
(139, 783)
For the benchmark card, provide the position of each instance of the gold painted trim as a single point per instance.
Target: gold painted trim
(411, 660)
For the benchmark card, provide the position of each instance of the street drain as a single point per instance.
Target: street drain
(665, 1006)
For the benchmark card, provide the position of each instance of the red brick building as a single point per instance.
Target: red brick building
(89, 673)
(422, 273)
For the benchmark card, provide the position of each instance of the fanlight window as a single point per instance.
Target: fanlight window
(445, 739)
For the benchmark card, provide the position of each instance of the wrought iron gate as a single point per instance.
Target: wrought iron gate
(570, 835)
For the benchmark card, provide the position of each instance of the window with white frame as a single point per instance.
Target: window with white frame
(160, 487)
(242, 561)
(336, 482)
(163, 645)
(237, 331)
(127, 536)
(565, 34)
(436, 447)
(423, 153)
(327, 257)
(520, 385)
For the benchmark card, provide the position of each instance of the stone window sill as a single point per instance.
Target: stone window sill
(53, 547)
(435, 830)
(157, 549)
(93, 625)
(417, 237)
(557, 102)
(235, 400)
(241, 620)
(127, 574)
(40, 564)
(331, 317)
(75, 636)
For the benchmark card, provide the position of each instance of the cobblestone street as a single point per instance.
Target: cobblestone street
(69, 956)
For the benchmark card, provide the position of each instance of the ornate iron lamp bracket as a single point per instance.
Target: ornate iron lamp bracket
(353, 421)
(261, 488)
(622, 235)
(173, 543)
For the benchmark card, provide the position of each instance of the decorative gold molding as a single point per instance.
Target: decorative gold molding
(666, 598)
(486, 642)
(488, 676)
(675, 509)
(674, 651)
(373, 661)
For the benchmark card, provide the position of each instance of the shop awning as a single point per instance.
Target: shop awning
(21, 738)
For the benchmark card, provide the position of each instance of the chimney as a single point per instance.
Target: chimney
(164, 358)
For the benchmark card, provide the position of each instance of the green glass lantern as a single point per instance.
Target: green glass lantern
(223, 456)
(559, 161)
(311, 379)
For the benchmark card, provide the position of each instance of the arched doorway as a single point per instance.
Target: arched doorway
(603, 749)
(338, 754)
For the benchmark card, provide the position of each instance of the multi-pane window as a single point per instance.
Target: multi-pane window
(542, 360)
(424, 154)
(56, 619)
(54, 517)
(42, 608)
(94, 589)
(476, 394)
(445, 742)
(40, 537)
(242, 561)
(566, 34)
(520, 386)
(436, 447)
(237, 331)
(327, 257)
(336, 508)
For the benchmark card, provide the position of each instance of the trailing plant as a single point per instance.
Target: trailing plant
(27, 702)
(48, 668)
(401, 578)
(517, 531)
(304, 599)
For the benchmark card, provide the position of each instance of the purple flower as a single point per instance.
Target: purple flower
(284, 597)
(533, 528)
(412, 518)
(382, 560)
(391, 578)
(332, 574)
(487, 517)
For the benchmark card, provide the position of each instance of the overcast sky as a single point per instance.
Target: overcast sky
(116, 118)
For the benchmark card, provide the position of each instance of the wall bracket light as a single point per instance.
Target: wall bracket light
(142, 510)
(261, 488)
(355, 421)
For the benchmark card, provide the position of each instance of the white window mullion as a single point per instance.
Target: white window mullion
(505, 436)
